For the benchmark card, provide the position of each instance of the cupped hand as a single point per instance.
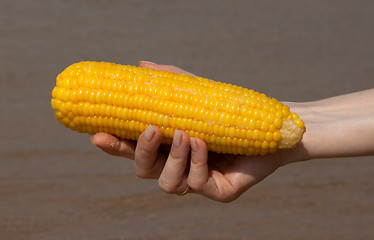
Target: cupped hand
(187, 162)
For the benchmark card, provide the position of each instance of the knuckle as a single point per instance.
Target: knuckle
(166, 186)
(198, 165)
(145, 152)
(196, 184)
(143, 173)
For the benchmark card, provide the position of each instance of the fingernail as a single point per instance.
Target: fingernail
(149, 132)
(147, 62)
(91, 139)
(177, 139)
(194, 145)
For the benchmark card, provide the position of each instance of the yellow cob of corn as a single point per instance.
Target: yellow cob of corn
(123, 100)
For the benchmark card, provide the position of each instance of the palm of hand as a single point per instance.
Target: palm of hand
(233, 175)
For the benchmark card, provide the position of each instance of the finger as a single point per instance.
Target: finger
(199, 172)
(159, 67)
(207, 180)
(114, 146)
(148, 161)
(173, 176)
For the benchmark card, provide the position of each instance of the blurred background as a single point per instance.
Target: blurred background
(55, 185)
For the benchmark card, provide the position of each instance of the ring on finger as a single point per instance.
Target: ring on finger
(185, 191)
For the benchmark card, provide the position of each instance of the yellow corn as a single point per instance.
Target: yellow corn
(123, 100)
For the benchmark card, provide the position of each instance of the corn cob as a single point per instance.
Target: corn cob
(123, 100)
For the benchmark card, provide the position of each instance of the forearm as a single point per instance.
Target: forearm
(341, 126)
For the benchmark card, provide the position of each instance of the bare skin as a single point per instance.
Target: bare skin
(341, 126)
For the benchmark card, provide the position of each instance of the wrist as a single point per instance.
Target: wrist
(306, 149)
(340, 126)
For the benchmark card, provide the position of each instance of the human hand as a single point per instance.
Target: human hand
(221, 177)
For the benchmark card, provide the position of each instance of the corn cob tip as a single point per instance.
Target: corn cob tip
(291, 134)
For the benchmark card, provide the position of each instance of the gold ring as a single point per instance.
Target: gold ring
(185, 191)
